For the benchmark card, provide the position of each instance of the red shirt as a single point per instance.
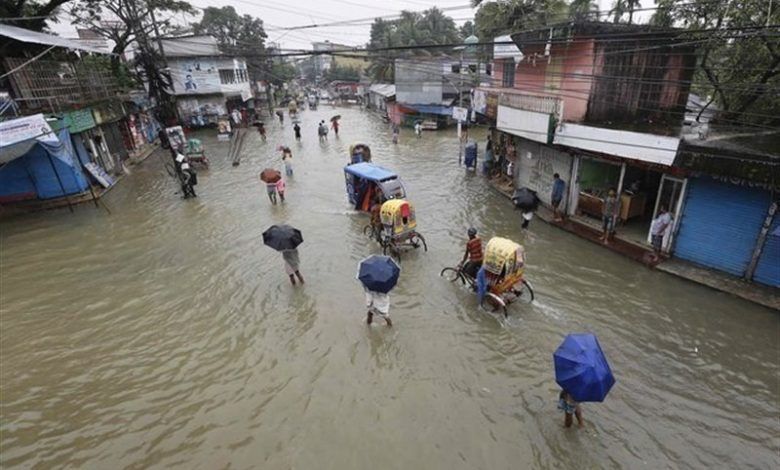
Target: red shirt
(474, 247)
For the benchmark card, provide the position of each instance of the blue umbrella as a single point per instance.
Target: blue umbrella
(378, 273)
(581, 368)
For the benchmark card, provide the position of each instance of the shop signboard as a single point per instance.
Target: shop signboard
(79, 120)
(108, 112)
(18, 130)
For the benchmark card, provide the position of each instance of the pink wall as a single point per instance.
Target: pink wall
(567, 76)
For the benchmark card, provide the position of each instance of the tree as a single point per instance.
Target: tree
(336, 72)
(583, 10)
(621, 7)
(122, 21)
(496, 18)
(282, 73)
(431, 27)
(738, 68)
(38, 11)
(237, 36)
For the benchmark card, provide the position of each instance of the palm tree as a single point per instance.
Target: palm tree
(583, 10)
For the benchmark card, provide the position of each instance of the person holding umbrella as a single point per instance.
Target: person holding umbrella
(285, 239)
(378, 274)
(583, 373)
(334, 123)
(270, 177)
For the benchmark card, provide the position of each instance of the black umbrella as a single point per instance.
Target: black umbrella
(282, 237)
(525, 199)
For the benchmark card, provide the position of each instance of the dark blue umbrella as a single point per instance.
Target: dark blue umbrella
(378, 273)
(581, 368)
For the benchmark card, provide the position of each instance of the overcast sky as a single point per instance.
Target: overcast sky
(277, 14)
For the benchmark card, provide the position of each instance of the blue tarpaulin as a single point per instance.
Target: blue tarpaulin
(370, 172)
(32, 175)
(432, 109)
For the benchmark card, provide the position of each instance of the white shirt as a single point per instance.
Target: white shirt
(660, 224)
(378, 301)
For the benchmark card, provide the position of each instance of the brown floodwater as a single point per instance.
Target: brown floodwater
(164, 334)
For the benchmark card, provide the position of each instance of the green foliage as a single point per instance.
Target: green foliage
(337, 72)
(412, 29)
(282, 72)
(237, 35)
(496, 18)
(740, 74)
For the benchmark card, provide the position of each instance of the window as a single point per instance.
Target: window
(508, 80)
(227, 76)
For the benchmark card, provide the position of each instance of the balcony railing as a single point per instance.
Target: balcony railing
(53, 86)
(539, 104)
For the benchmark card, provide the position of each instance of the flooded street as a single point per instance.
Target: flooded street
(164, 334)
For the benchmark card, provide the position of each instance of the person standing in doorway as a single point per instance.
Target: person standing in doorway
(609, 213)
(557, 196)
(658, 229)
(297, 130)
(488, 163)
(292, 263)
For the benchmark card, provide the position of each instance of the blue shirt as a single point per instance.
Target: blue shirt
(557, 191)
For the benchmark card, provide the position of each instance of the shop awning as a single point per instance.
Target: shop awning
(25, 35)
(432, 109)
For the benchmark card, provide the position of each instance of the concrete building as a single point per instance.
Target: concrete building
(207, 84)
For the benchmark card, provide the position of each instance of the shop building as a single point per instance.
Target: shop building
(602, 105)
(207, 84)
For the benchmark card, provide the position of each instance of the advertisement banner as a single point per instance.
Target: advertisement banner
(26, 128)
(195, 76)
(479, 102)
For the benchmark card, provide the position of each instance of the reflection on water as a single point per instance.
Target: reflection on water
(166, 334)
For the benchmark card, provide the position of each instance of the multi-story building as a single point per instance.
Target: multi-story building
(603, 105)
(207, 84)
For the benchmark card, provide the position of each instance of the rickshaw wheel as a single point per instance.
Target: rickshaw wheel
(494, 303)
(416, 239)
(526, 294)
(452, 275)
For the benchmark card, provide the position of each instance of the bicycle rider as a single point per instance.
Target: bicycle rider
(473, 253)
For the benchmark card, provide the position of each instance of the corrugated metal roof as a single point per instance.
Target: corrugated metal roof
(384, 89)
(25, 35)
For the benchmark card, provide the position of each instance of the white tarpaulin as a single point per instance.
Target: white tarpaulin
(25, 35)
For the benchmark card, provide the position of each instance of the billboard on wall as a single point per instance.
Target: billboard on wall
(193, 76)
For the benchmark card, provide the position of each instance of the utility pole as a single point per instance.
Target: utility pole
(460, 105)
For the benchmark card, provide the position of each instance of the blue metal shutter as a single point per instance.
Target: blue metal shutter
(768, 269)
(720, 224)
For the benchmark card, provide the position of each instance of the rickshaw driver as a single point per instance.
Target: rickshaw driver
(473, 253)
